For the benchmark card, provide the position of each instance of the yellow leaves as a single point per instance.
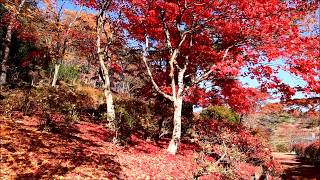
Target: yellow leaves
(3, 130)
(59, 26)
(13, 7)
(108, 31)
(212, 168)
(29, 10)
(10, 7)
(49, 5)
(29, 16)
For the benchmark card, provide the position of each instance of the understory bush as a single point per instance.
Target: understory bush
(132, 116)
(68, 73)
(312, 151)
(282, 147)
(234, 149)
(151, 119)
(220, 112)
(48, 103)
(135, 116)
(309, 151)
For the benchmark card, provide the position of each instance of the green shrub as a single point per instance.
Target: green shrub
(132, 116)
(135, 115)
(148, 118)
(68, 73)
(282, 147)
(285, 117)
(220, 112)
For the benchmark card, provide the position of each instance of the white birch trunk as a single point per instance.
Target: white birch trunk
(55, 75)
(108, 95)
(6, 46)
(6, 52)
(176, 97)
(176, 134)
(105, 72)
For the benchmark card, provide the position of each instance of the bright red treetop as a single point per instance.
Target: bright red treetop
(221, 38)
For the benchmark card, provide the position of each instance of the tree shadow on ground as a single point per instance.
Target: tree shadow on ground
(300, 169)
(31, 154)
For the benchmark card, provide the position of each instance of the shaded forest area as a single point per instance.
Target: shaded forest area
(155, 89)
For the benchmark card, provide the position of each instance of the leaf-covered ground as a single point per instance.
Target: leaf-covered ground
(296, 168)
(84, 150)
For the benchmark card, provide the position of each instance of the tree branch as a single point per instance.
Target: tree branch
(166, 30)
(224, 154)
(144, 58)
(205, 75)
(21, 5)
(65, 41)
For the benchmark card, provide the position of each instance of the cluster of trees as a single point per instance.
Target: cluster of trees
(173, 46)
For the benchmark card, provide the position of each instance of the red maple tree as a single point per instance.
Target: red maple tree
(214, 41)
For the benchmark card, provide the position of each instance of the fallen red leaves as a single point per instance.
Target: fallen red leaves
(82, 150)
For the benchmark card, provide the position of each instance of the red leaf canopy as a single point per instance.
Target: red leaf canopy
(228, 36)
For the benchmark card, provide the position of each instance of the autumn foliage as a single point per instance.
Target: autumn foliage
(100, 88)
(310, 151)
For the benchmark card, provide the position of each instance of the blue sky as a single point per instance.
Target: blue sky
(285, 76)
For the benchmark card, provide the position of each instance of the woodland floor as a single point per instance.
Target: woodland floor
(297, 169)
(83, 150)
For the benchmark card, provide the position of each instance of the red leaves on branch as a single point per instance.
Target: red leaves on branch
(198, 96)
(239, 98)
(36, 55)
(116, 67)
(227, 37)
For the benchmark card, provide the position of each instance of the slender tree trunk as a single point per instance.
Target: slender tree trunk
(176, 134)
(108, 95)
(63, 51)
(6, 52)
(55, 75)
(6, 46)
(105, 72)
(176, 97)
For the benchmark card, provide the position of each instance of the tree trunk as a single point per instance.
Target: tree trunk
(105, 72)
(176, 134)
(55, 75)
(177, 102)
(108, 95)
(6, 46)
(6, 52)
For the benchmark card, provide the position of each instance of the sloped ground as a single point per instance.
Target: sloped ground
(296, 169)
(83, 150)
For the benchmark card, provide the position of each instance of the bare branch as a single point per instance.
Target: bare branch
(205, 75)
(75, 19)
(144, 58)
(59, 13)
(21, 5)
(65, 41)
(166, 30)
(173, 52)
(224, 154)
(181, 77)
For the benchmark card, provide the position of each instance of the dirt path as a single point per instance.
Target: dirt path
(295, 169)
